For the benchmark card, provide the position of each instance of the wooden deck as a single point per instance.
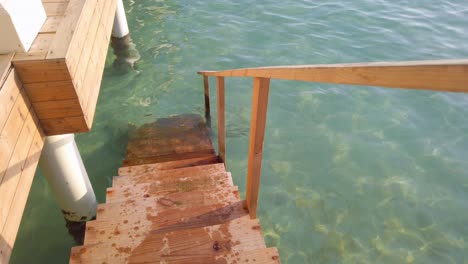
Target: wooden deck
(173, 202)
(62, 70)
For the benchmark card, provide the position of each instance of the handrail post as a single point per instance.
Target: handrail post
(261, 88)
(221, 119)
(206, 85)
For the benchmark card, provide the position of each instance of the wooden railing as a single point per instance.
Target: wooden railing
(439, 75)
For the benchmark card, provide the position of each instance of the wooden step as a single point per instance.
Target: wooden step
(132, 161)
(159, 203)
(139, 169)
(234, 237)
(169, 220)
(185, 184)
(258, 256)
(167, 174)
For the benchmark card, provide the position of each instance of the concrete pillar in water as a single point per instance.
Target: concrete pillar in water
(120, 28)
(63, 169)
(124, 48)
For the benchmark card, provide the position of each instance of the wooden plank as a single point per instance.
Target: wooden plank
(184, 184)
(257, 256)
(16, 164)
(79, 73)
(38, 49)
(5, 67)
(58, 109)
(50, 91)
(21, 196)
(106, 25)
(8, 95)
(165, 201)
(169, 220)
(221, 119)
(139, 169)
(167, 174)
(169, 157)
(57, 126)
(69, 35)
(42, 70)
(213, 241)
(11, 131)
(51, 24)
(438, 75)
(261, 89)
(206, 86)
(55, 9)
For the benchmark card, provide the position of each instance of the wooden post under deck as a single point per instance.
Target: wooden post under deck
(206, 85)
(221, 119)
(261, 88)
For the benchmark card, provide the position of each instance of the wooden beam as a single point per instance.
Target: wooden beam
(221, 119)
(261, 90)
(206, 85)
(438, 75)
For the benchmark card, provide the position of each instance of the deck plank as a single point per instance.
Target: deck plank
(205, 242)
(172, 185)
(162, 175)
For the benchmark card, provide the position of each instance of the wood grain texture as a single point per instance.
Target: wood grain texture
(58, 109)
(57, 126)
(42, 71)
(221, 118)
(51, 24)
(55, 8)
(5, 66)
(18, 204)
(11, 132)
(206, 89)
(166, 201)
(8, 95)
(438, 75)
(51, 91)
(168, 174)
(139, 169)
(169, 220)
(207, 242)
(171, 185)
(261, 89)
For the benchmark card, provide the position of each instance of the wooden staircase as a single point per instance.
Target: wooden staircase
(173, 202)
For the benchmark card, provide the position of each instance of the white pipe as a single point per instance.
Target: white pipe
(120, 29)
(63, 168)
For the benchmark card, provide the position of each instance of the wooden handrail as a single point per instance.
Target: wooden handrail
(440, 75)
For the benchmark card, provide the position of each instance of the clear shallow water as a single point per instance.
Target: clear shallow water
(350, 174)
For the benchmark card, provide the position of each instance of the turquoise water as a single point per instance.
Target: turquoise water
(350, 174)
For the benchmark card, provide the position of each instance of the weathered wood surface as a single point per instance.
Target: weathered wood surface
(169, 220)
(221, 118)
(207, 242)
(201, 170)
(63, 69)
(261, 89)
(179, 211)
(169, 139)
(169, 165)
(161, 202)
(5, 66)
(21, 141)
(175, 184)
(438, 75)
